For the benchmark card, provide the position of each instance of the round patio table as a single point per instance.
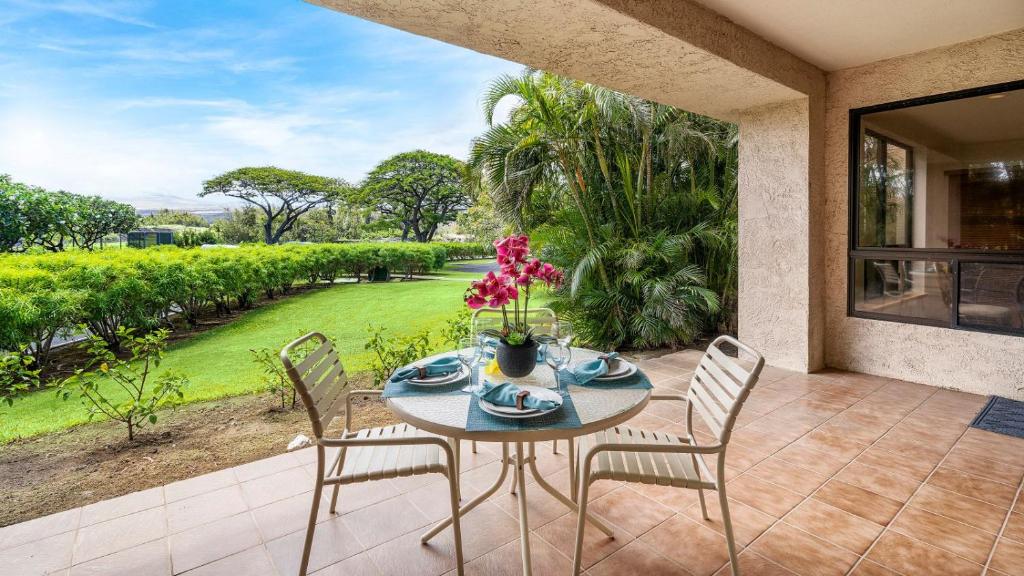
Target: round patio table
(598, 408)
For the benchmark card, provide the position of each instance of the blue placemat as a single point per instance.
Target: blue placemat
(1002, 416)
(480, 421)
(637, 381)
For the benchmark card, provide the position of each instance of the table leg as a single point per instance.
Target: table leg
(475, 501)
(561, 497)
(524, 524)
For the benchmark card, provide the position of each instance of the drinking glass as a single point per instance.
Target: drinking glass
(563, 332)
(557, 356)
(470, 354)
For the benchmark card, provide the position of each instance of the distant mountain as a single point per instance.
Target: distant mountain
(210, 215)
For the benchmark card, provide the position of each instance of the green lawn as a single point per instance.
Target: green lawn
(218, 362)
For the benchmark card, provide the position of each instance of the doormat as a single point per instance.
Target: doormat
(1002, 416)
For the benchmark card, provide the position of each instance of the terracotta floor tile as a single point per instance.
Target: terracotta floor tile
(752, 564)
(267, 466)
(276, 486)
(747, 523)
(956, 537)
(813, 460)
(701, 551)
(976, 487)
(765, 496)
(869, 568)
(678, 499)
(1009, 557)
(210, 542)
(149, 558)
(541, 506)
(44, 527)
(925, 455)
(961, 508)
(199, 485)
(782, 473)
(385, 520)
(1015, 527)
(863, 434)
(289, 515)
(118, 534)
(832, 441)
(507, 560)
(630, 510)
(205, 508)
(635, 559)
(332, 542)
(487, 528)
(352, 497)
(993, 446)
(406, 556)
(802, 553)
(879, 481)
(984, 467)
(358, 565)
(859, 501)
(122, 506)
(596, 546)
(252, 562)
(839, 527)
(886, 460)
(41, 557)
(910, 556)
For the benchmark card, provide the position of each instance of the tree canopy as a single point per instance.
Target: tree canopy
(418, 191)
(34, 216)
(165, 217)
(281, 195)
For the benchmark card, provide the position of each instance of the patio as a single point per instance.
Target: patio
(829, 473)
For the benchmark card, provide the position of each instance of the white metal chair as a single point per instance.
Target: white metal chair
(540, 319)
(363, 455)
(719, 387)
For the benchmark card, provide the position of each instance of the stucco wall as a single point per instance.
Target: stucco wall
(780, 261)
(970, 361)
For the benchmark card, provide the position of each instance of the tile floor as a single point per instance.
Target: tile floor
(831, 473)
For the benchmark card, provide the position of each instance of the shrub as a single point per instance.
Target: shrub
(393, 352)
(16, 375)
(131, 403)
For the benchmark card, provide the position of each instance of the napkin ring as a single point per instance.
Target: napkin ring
(521, 398)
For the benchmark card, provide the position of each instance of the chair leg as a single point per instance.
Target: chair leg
(453, 489)
(727, 524)
(581, 523)
(337, 470)
(573, 476)
(554, 446)
(700, 490)
(311, 527)
(512, 485)
(457, 449)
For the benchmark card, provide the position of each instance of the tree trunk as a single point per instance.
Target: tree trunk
(268, 235)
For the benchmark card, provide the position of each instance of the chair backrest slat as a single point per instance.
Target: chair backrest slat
(720, 386)
(491, 318)
(318, 379)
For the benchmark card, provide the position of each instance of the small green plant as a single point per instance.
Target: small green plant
(458, 327)
(17, 375)
(275, 379)
(393, 352)
(129, 402)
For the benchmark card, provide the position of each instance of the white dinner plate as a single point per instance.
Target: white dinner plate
(624, 370)
(511, 412)
(441, 380)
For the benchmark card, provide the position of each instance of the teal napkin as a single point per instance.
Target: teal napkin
(505, 395)
(587, 371)
(439, 367)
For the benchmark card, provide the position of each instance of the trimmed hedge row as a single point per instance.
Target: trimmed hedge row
(43, 296)
(467, 250)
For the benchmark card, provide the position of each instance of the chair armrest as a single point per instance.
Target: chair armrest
(662, 448)
(348, 404)
(345, 443)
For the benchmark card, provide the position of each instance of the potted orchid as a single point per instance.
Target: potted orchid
(516, 351)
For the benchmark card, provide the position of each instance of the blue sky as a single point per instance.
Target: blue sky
(141, 101)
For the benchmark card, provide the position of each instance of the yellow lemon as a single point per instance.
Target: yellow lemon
(492, 368)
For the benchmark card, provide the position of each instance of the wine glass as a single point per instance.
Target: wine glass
(470, 354)
(557, 356)
(563, 332)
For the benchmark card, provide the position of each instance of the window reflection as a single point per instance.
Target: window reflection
(992, 295)
(918, 289)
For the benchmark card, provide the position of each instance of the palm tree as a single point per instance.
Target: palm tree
(642, 196)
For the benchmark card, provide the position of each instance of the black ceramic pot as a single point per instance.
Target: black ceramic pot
(517, 361)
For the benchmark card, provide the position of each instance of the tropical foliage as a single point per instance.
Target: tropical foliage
(635, 199)
(33, 216)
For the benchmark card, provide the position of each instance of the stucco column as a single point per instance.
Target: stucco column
(781, 276)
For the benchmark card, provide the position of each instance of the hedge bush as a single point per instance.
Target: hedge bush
(466, 250)
(45, 295)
